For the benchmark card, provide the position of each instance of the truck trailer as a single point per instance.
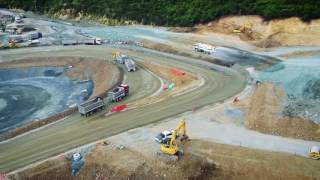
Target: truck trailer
(120, 58)
(91, 106)
(124, 59)
(131, 66)
(118, 93)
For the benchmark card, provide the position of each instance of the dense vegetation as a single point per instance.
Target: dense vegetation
(175, 12)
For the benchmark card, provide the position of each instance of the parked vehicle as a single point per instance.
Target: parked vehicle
(163, 137)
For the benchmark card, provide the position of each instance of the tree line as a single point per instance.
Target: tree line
(175, 12)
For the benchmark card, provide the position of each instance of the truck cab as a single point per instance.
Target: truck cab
(18, 19)
(163, 137)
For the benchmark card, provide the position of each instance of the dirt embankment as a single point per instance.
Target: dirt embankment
(264, 111)
(103, 73)
(284, 32)
(202, 160)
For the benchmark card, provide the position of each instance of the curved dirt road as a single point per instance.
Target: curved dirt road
(220, 84)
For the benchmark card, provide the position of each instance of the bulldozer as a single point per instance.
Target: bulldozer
(171, 149)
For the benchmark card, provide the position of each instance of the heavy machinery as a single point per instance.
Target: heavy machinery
(243, 28)
(124, 59)
(118, 57)
(314, 152)
(171, 149)
(95, 41)
(131, 66)
(91, 106)
(118, 93)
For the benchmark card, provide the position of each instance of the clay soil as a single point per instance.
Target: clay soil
(264, 116)
(202, 160)
(103, 73)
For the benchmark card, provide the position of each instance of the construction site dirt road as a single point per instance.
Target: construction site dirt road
(220, 83)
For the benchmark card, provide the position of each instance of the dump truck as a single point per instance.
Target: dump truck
(95, 41)
(120, 58)
(91, 106)
(124, 59)
(131, 66)
(118, 93)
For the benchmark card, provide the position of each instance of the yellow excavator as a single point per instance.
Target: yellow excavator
(243, 28)
(171, 149)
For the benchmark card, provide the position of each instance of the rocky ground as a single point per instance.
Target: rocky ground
(264, 115)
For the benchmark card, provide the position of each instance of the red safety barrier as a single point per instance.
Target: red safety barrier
(119, 108)
(177, 72)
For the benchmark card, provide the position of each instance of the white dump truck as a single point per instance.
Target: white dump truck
(95, 41)
(118, 93)
(123, 59)
(91, 106)
(130, 64)
(120, 58)
(205, 48)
